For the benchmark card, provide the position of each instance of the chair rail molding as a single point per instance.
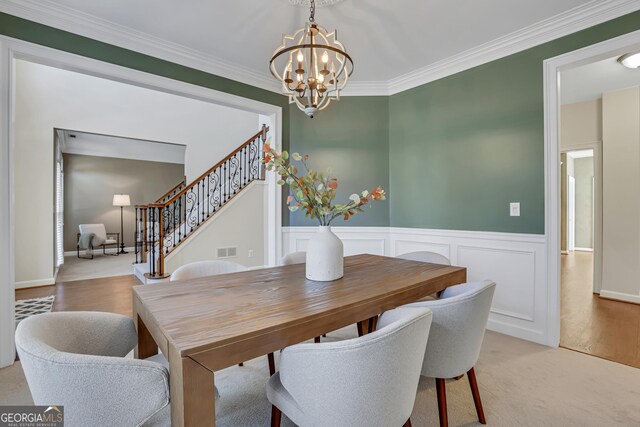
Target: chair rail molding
(66, 18)
(514, 261)
(12, 49)
(551, 84)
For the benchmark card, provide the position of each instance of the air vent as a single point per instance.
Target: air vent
(227, 252)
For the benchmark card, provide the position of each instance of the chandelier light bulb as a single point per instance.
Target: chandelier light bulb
(325, 57)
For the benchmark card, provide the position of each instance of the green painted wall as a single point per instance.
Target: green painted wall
(463, 147)
(350, 136)
(452, 153)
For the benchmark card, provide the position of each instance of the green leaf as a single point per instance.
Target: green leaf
(297, 157)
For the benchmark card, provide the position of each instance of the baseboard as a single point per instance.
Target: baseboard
(109, 251)
(583, 249)
(564, 252)
(619, 296)
(35, 283)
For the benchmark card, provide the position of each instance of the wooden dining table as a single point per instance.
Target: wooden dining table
(211, 323)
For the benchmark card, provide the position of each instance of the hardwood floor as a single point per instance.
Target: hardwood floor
(593, 325)
(112, 294)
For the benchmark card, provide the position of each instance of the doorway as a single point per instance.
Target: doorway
(15, 50)
(595, 135)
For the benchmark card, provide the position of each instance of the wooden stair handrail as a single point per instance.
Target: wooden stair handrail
(195, 182)
(161, 206)
(183, 182)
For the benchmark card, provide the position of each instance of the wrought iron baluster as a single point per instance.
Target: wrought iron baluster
(153, 242)
(180, 219)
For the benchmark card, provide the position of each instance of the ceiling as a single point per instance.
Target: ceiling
(92, 144)
(592, 80)
(389, 40)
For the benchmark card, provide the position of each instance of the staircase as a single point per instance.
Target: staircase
(168, 222)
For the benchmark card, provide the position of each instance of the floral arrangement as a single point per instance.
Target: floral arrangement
(314, 192)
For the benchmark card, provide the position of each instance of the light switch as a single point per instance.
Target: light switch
(514, 209)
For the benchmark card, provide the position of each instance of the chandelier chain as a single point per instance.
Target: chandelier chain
(312, 11)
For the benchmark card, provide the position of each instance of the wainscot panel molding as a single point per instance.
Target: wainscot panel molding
(516, 262)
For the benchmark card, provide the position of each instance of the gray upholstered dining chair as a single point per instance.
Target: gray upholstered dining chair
(299, 257)
(426, 256)
(198, 269)
(77, 359)
(362, 382)
(455, 339)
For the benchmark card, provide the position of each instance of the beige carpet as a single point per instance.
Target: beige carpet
(101, 265)
(522, 384)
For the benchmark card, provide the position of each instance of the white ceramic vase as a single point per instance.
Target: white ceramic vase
(325, 256)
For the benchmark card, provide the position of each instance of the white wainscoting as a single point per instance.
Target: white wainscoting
(516, 262)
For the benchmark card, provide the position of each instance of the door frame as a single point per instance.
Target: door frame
(597, 207)
(12, 49)
(571, 213)
(551, 84)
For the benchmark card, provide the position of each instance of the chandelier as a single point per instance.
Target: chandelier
(312, 65)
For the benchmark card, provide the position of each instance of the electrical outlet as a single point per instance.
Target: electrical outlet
(514, 209)
(250, 253)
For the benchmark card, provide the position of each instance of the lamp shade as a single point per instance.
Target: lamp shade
(121, 200)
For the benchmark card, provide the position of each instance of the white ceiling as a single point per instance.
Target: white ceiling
(92, 144)
(390, 41)
(592, 80)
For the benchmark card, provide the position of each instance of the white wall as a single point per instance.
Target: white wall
(621, 199)
(48, 98)
(243, 229)
(580, 124)
(514, 261)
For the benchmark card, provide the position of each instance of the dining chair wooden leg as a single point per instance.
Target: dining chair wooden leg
(408, 423)
(276, 416)
(360, 333)
(373, 324)
(316, 340)
(324, 335)
(272, 364)
(473, 383)
(240, 364)
(442, 402)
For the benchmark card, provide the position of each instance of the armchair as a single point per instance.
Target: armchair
(100, 235)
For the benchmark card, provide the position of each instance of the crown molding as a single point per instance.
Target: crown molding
(55, 15)
(356, 88)
(64, 18)
(576, 19)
